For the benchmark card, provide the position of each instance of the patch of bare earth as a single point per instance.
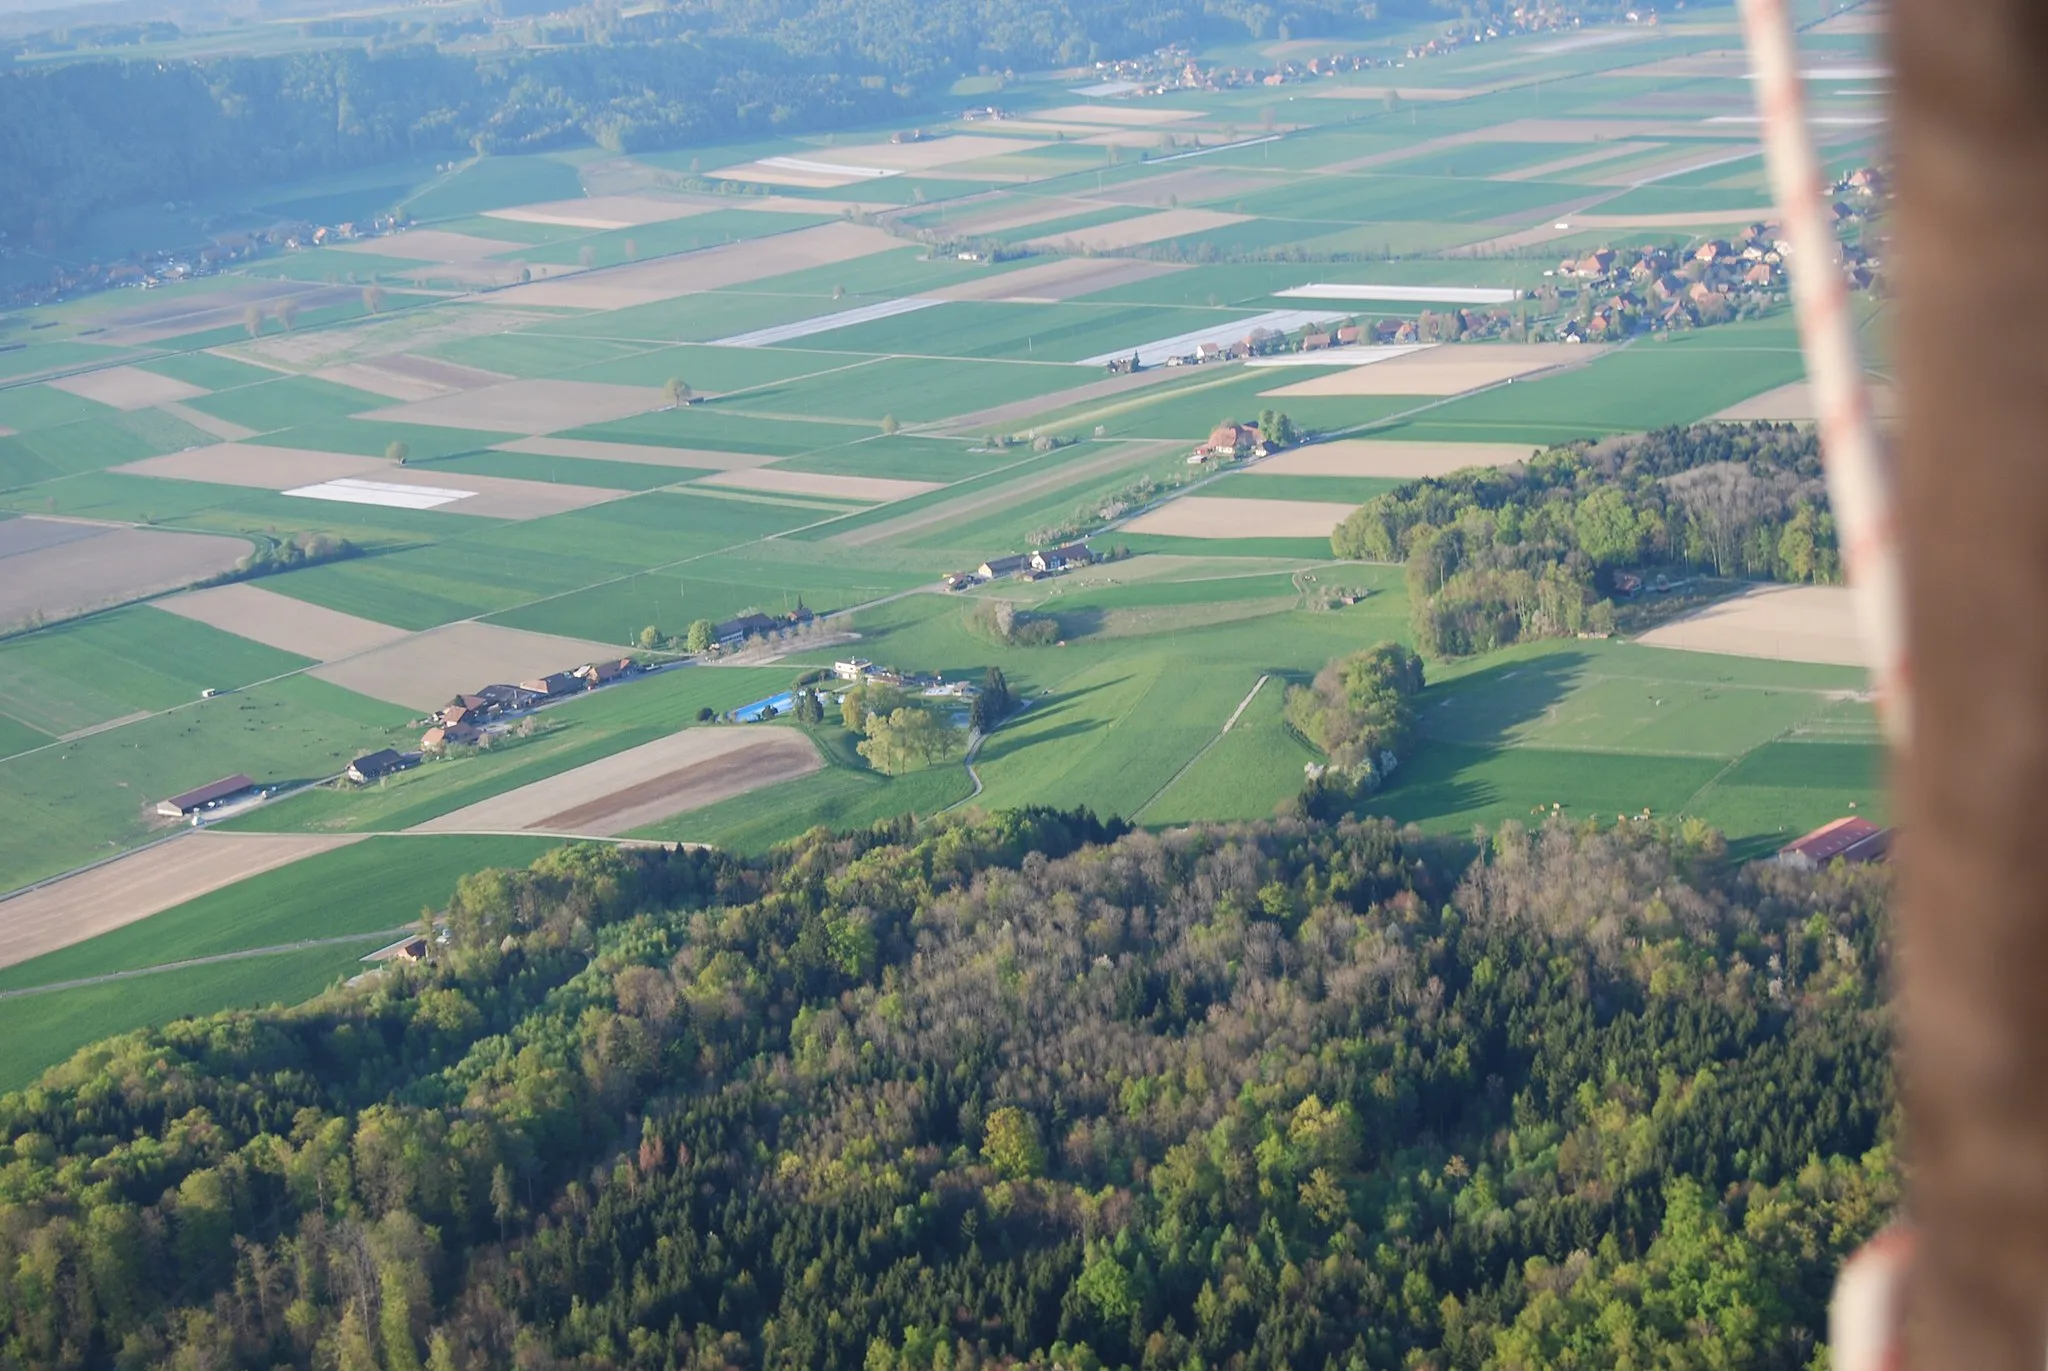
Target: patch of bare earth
(1057, 280)
(539, 406)
(730, 264)
(279, 621)
(1198, 516)
(426, 670)
(59, 567)
(254, 465)
(1146, 228)
(879, 489)
(1451, 369)
(1784, 623)
(605, 211)
(1794, 404)
(73, 908)
(1396, 460)
(126, 387)
(1117, 116)
(643, 785)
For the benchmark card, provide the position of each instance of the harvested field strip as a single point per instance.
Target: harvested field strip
(645, 785)
(126, 387)
(254, 464)
(869, 488)
(110, 565)
(1148, 228)
(310, 631)
(1783, 623)
(1406, 461)
(427, 670)
(1449, 370)
(134, 887)
(537, 406)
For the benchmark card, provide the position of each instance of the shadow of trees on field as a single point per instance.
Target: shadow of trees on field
(1485, 707)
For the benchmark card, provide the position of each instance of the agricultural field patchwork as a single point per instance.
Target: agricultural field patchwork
(271, 521)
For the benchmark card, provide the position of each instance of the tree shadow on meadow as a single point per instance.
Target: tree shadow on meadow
(1488, 707)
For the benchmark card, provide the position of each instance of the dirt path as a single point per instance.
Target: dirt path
(1228, 724)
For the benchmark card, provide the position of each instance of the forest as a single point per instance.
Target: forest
(1016, 1089)
(84, 136)
(1495, 555)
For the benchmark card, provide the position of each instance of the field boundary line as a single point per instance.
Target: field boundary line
(1188, 765)
(244, 954)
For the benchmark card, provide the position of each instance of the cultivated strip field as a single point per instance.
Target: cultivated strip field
(1784, 623)
(1147, 228)
(426, 670)
(1200, 516)
(539, 406)
(126, 387)
(254, 465)
(1403, 461)
(143, 883)
(61, 567)
(604, 211)
(1794, 404)
(279, 621)
(877, 488)
(643, 785)
(731, 264)
(646, 454)
(1061, 279)
(1446, 370)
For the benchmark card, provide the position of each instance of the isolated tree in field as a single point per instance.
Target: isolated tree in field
(287, 313)
(373, 299)
(889, 424)
(677, 391)
(397, 452)
(650, 637)
(252, 319)
(702, 636)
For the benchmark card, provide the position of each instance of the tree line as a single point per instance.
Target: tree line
(1495, 555)
(1017, 1089)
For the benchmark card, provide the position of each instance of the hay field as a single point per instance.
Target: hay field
(1784, 623)
(1117, 116)
(427, 670)
(1052, 282)
(1390, 458)
(1146, 228)
(1794, 404)
(880, 489)
(1198, 516)
(602, 211)
(646, 454)
(57, 567)
(126, 387)
(730, 264)
(642, 785)
(133, 887)
(254, 465)
(279, 621)
(1451, 369)
(525, 407)
(945, 151)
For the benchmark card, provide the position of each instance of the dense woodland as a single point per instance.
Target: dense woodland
(1023, 1088)
(84, 136)
(1500, 554)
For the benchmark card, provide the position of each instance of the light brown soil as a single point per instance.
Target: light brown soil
(1146, 228)
(604, 211)
(729, 264)
(223, 429)
(75, 908)
(1404, 461)
(279, 621)
(426, 670)
(1785, 623)
(126, 387)
(759, 173)
(434, 371)
(1448, 370)
(1062, 279)
(60, 567)
(367, 376)
(1117, 116)
(1794, 404)
(877, 488)
(643, 785)
(647, 454)
(914, 157)
(1198, 516)
(254, 465)
(525, 407)
(434, 245)
(498, 497)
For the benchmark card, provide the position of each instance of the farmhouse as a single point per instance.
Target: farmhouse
(377, 765)
(437, 740)
(1227, 440)
(604, 673)
(997, 567)
(554, 685)
(1060, 558)
(205, 797)
(733, 632)
(852, 670)
(1852, 839)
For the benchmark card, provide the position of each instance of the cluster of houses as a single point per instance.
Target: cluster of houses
(147, 271)
(463, 719)
(735, 632)
(1028, 566)
(1228, 442)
